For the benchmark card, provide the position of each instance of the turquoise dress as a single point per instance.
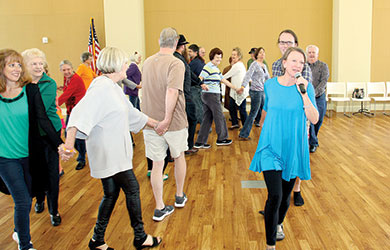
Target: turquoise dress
(283, 144)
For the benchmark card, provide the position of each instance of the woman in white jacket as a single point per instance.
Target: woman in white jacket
(237, 101)
(103, 118)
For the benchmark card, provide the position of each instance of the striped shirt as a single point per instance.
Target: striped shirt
(277, 70)
(211, 77)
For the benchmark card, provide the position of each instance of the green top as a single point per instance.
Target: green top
(14, 126)
(48, 88)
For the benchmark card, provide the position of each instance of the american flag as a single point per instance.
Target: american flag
(93, 46)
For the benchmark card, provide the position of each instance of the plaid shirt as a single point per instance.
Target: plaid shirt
(277, 70)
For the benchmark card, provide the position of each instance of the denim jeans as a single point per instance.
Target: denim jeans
(52, 160)
(79, 145)
(16, 176)
(233, 107)
(111, 187)
(257, 102)
(135, 101)
(314, 128)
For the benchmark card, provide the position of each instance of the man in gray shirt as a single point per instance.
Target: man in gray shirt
(320, 73)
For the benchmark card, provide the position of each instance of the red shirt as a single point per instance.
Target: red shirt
(74, 90)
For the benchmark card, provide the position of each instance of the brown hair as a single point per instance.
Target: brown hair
(258, 51)
(291, 33)
(9, 56)
(215, 51)
(288, 52)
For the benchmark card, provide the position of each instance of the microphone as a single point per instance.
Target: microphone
(300, 85)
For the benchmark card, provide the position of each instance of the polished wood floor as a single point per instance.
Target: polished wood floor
(347, 202)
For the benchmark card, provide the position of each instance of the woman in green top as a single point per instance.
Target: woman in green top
(35, 60)
(21, 154)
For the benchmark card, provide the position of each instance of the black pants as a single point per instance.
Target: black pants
(111, 186)
(52, 160)
(278, 201)
(192, 121)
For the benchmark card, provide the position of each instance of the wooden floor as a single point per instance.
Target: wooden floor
(347, 202)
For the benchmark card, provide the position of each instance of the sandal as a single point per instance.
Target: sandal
(93, 245)
(138, 245)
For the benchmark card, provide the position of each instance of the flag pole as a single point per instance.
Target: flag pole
(93, 43)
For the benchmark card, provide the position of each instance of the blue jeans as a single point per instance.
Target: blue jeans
(16, 176)
(135, 101)
(79, 145)
(233, 107)
(257, 102)
(314, 128)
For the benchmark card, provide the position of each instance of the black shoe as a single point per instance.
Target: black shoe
(224, 142)
(298, 200)
(80, 165)
(55, 220)
(93, 245)
(39, 207)
(61, 173)
(313, 148)
(262, 212)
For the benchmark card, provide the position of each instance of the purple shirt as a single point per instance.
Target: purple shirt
(134, 75)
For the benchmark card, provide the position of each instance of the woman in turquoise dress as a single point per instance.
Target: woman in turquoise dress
(283, 151)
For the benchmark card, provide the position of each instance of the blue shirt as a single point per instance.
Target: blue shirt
(14, 126)
(283, 144)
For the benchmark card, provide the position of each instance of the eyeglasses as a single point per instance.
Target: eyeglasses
(289, 43)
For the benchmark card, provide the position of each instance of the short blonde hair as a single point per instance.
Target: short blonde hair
(111, 60)
(29, 54)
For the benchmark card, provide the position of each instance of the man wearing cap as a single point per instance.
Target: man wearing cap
(252, 52)
(196, 66)
(189, 79)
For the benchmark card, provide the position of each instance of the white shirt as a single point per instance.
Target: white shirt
(237, 74)
(105, 117)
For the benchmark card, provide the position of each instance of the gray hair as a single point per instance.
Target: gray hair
(111, 60)
(84, 56)
(168, 38)
(312, 46)
(135, 57)
(67, 62)
(29, 54)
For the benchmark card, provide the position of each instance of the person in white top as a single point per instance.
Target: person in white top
(103, 118)
(237, 101)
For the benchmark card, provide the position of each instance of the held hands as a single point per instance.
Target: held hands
(301, 80)
(65, 152)
(162, 127)
(240, 90)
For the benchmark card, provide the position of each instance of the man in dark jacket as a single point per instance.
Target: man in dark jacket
(189, 79)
